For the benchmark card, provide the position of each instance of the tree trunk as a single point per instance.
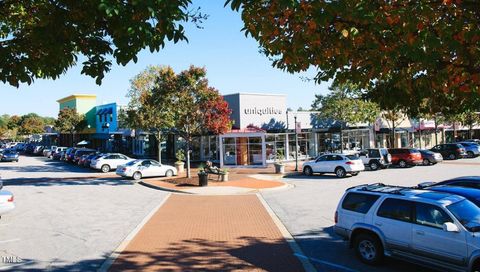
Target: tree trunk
(420, 137)
(159, 139)
(436, 131)
(470, 129)
(187, 153)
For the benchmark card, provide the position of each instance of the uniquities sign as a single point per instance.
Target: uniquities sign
(262, 111)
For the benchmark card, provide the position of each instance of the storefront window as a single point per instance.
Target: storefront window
(303, 145)
(242, 151)
(275, 143)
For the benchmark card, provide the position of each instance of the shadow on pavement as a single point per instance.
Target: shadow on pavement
(65, 181)
(249, 253)
(326, 249)
(50, 166)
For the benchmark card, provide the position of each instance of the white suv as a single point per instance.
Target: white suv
(109, 162)
(430, 228)
(339, 164)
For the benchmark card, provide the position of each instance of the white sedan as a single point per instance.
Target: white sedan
(109, 162)
(145, 168)
(6, 201)
(339, 164)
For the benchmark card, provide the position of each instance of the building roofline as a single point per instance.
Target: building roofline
(74, 96)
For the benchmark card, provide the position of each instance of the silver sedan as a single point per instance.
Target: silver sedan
(138, 169)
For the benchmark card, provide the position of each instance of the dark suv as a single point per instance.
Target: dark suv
(404, 157)
(450, 151)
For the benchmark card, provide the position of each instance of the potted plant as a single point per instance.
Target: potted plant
(202, 177)
(179, 164)
(279, 164)
(224, 175)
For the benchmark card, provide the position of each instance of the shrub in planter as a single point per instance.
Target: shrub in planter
(179, 164)
(224, 175)
(279, 164)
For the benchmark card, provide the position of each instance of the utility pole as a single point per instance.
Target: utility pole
(296, 144)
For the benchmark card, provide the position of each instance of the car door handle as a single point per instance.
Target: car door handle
(419, 232)
(378, 224)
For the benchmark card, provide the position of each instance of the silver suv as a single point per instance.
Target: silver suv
(430, 228)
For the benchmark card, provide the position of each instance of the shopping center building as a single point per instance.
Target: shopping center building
(263, 131)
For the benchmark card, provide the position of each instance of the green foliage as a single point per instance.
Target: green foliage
(31, 124)
(344, 103)
(69, 121)
(43, 39)
(401, 52)
(180, 155)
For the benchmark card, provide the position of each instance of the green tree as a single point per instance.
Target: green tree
(419, 47)
(13, 122)
(345, 104)
(469, 118)
(69, 121)
(31, 124)
(181, 103)
(42, 39)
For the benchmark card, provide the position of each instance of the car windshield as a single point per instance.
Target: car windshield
(466, 212)
(132, 162)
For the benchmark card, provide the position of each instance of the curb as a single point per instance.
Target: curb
(297, 251)
(115, 253)
(285, 186)
(149, 185)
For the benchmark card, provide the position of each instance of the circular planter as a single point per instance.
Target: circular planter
(224, 177)
(279, 168)
(202, 179)
(180, 167)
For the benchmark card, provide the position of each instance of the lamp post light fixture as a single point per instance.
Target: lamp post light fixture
(106, 125)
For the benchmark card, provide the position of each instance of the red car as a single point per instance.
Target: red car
(404, 157)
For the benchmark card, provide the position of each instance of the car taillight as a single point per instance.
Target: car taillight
(336, 217)
(349, 163)
(10, 199)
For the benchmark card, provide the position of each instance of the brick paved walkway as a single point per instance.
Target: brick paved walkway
(209, 233)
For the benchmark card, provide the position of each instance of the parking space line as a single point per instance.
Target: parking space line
(8, 241)
(315, 260)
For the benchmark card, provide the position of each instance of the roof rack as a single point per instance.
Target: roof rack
(381, 188)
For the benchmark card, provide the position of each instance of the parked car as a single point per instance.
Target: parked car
(376, 158)
(80, 152)
(38, 150)
(138, 169)
(473, 141)
(69, 154)
(404, 157)
(109, 162)
(20, 147)
(7, 203)
(450, 151)
(29, 148)
(339, 164)
(88, 159)
(434, 229)
(9, 155)
(472, 149)
(468, 181)
(471, 194)
(56, 151)
(47, 152)
(430, 157)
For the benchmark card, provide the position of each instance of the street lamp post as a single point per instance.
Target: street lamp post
(73, 131)
(296, 145)
(106, 125)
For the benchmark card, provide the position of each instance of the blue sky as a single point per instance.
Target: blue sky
(233, 64)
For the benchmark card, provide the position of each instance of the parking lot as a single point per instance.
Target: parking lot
(71, 223)
(308, 210)
(71, 218)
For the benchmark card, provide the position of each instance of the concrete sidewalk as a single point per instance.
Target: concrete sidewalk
(209, 233)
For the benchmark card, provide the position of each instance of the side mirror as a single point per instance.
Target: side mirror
(450, 227)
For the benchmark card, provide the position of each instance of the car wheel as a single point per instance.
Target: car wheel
(340, 172)
(137, 175)
(402, 164)
(355, 173)
(470, 154)
(169, 173)
(105, 168)
(368, 248)
(374, 166)
(452, 157)
(426, 162)
(307, 171)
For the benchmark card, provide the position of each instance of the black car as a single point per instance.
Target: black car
(450, 151)
(430, 157)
